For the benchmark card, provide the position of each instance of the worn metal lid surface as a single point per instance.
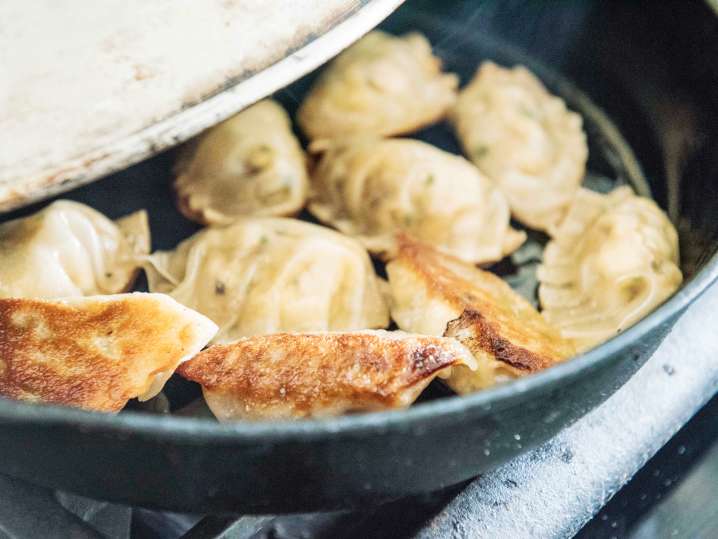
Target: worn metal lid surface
(87, 88)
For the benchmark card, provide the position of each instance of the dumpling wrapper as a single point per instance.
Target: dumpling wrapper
(437, 294)
(381, 85)
(611, 261)
(68, 250)
(251, 164)
(95, 352)
(299, 375)
(267, 275)
(524, 139)
(371, 188)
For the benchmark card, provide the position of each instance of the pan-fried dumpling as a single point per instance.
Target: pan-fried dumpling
(382, 85)
(435, 294)
(610, 262)
(320, 374)
(266, 275)
(524, 139)
(251, 164)
(95, 352)
(68, 249)
(371, 188)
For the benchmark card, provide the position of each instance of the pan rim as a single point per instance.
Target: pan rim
(196, 430)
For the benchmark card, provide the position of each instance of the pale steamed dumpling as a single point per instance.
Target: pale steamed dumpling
(381, 85)
(251, 164)
(371, 188)
(68, 249)
(265, 275)
(523, 138)
(610, 262)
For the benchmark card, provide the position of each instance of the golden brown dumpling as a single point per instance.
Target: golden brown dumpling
(95, 352)
(610, 262)
(437, 294)
(382, 85)
(68, 249)
(266, 275)
(524, 139)
(251, 164)
(295, 375)
(371, 188)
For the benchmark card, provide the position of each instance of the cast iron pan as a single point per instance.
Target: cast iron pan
(199, 465)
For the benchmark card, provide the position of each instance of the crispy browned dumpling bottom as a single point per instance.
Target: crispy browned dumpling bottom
(504, 332)
(289, 375)
(95, 352)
